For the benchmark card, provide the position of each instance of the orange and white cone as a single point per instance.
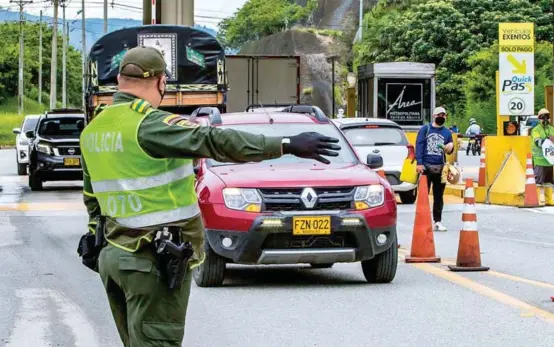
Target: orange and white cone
(469, 253)
(531, 193)
(482, 172)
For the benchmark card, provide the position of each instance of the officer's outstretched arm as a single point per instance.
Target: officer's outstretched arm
(170, 136)
(93, 207)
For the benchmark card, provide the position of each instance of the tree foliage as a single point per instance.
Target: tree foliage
(259, 18)
(448, 33)
(9, 64)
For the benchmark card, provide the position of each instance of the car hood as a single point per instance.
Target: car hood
(56, 138)
(297, 175)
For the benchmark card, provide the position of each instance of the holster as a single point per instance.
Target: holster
(91, 244)
(172, 255)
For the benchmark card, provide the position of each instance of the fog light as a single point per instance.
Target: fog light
(351, 221)
(227, 242)
(41, 164)
(382, 239)
(272, 223)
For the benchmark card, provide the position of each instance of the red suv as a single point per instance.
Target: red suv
(292, 210)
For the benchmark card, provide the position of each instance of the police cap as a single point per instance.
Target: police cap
(148, 59)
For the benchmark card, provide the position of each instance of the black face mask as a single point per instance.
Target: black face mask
(440, 120)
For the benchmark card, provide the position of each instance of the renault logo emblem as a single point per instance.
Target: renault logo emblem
(71, 151)
(308, 197)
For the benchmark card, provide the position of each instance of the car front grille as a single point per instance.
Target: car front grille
(287, 241)
(66, 149)
(289, 199)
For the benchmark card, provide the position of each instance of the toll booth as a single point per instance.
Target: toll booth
(403, 92)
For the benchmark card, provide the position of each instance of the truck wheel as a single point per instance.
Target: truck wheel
(322, 266)
(35, 183)
(382, 268)
(21, 169)
(211, 272)
(408, 197)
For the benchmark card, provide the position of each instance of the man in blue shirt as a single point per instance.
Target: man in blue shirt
(433, 141)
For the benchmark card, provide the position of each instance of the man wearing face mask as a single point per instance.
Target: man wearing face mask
(139, 183)
(543, 169)
(433, 141)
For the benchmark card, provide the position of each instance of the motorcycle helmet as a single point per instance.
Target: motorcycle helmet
(472, 121)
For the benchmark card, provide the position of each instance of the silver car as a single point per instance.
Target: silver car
(22, 143)
(386, 138)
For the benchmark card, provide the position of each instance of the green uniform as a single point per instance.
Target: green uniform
(538, 135)
(140, 160)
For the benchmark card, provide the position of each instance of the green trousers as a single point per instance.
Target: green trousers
(146, 312)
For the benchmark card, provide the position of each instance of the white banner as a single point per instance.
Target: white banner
(548, 151)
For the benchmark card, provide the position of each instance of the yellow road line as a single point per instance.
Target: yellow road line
(75, 206)
(528, 310)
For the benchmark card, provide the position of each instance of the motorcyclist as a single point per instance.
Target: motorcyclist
(472, 131)
(340, 115)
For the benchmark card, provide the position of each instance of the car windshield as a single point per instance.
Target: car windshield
(371, 135)
(30, 124)
(61, 127)
(346, 155)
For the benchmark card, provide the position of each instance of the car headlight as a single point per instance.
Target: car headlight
(23, 142)
(44, 148)
(242, 199)
(369, 196)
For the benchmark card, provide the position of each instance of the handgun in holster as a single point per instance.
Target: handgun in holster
(91, 244)
(173, 255)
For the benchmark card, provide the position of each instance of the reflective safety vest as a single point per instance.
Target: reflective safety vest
(132, 187)
(540, 132)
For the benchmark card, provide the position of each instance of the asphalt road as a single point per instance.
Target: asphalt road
(48, 298)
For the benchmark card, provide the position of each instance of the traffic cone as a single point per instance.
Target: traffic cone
(423, 242)
(482, 172)
(469, 254)
(531, 193)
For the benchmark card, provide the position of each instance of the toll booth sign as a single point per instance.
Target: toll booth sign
(517, 69)
(404, 101)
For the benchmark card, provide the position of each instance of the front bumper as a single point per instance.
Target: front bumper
(52, 168)
(23, 155)
(270, 241)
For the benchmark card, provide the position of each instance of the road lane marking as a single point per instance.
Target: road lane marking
(8, 234)
(32, 321)
(548, 244)
(528, 310)
(47, 206)
(486, 291)
(32, 324)
(74, 318)
(521, 279)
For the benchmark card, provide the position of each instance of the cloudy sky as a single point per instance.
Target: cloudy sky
(207, 12)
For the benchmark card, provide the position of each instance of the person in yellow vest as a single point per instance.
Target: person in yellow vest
(544, 176)
(139, 191)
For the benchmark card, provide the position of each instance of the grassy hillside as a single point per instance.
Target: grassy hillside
(9, 118)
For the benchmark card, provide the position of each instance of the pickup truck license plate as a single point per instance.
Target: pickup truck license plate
(71, 161)
(311, 225)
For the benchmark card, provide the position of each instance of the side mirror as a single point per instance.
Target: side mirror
(30, 134)
(16, 131)
(374, 161)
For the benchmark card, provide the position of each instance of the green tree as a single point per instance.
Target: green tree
(259, 18)
(9, 63)
(446, 33)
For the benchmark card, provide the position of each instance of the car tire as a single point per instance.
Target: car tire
(211, 273)
(382, 268)
(408, 197)
(322, 266)
(21, 169)
(35, 183)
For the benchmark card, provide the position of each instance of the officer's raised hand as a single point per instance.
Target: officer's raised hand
(311, 145)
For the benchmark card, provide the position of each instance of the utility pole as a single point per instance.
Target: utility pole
(21, 52)
(361, 19)
(83, 49)
(40, 61)
(64, 58)
(105, 16)
(54, 59)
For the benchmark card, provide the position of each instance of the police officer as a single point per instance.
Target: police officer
(138, 172)
(544, 173)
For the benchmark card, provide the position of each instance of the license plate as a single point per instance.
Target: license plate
(71, 161)
(311, 225)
